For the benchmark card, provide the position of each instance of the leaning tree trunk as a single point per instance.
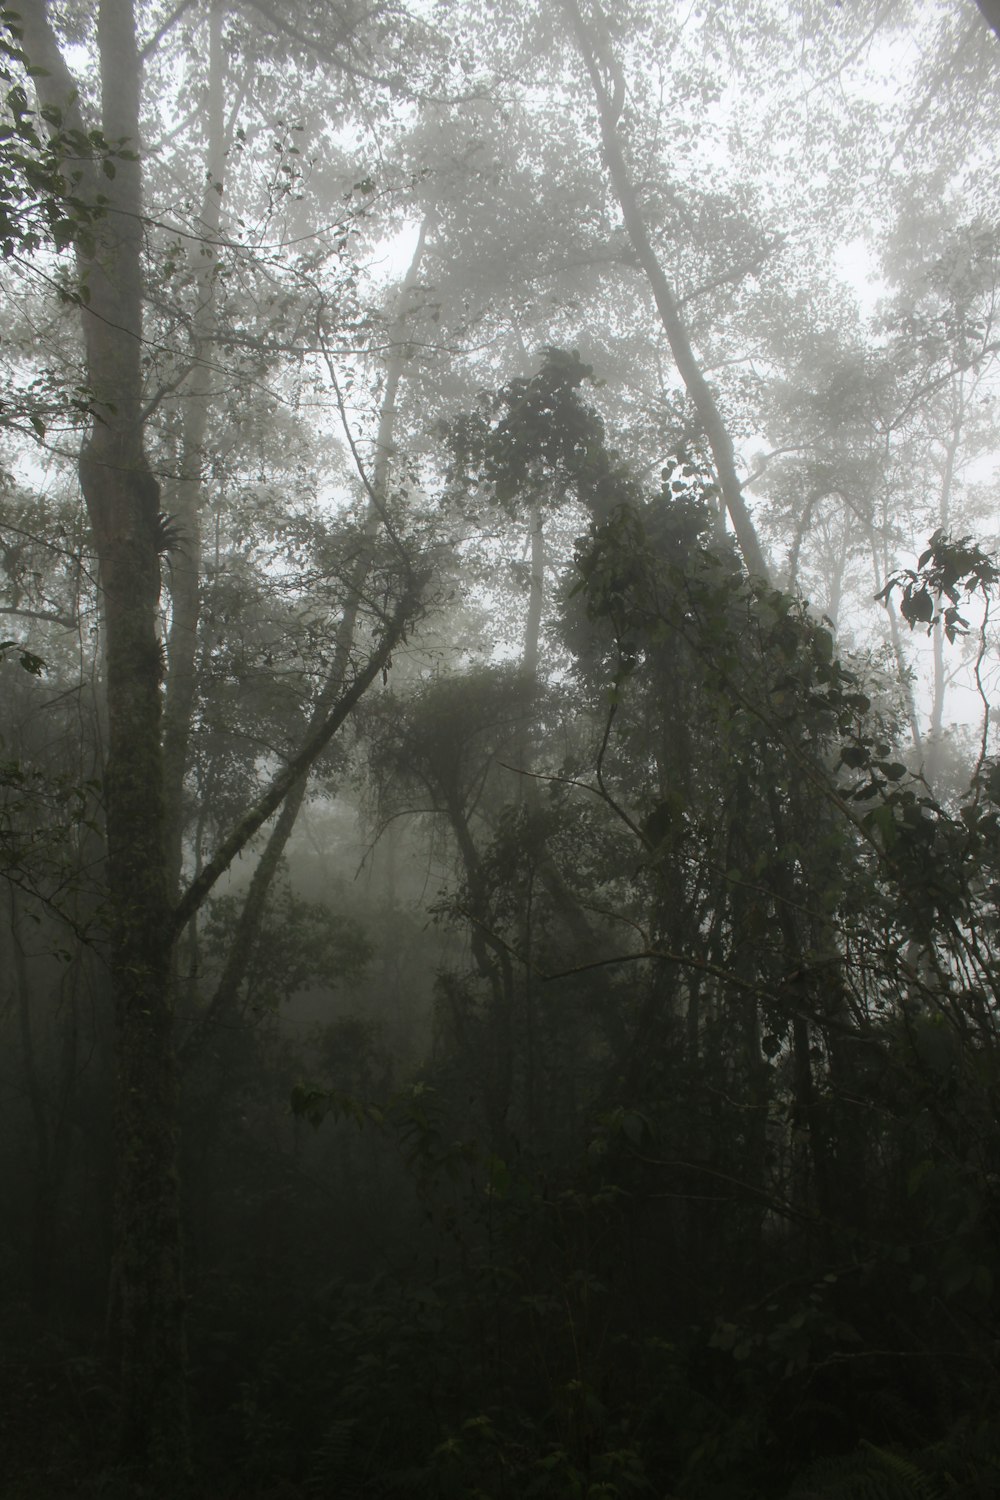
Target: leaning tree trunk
(241, 948)
(594, 45)
(122, 499)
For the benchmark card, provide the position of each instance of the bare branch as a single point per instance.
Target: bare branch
(50, 617)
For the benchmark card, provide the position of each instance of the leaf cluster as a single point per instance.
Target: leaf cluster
(949, 568)
(45, 164)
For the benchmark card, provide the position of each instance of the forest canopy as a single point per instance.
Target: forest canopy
(499, 788)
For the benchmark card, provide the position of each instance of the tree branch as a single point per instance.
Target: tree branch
(285, 779)
(51, 617)
(54, 83)
(149, 47)
(734, 273)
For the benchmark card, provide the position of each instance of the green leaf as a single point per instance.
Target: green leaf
(31, 663)
(26, 659)
(917, 606)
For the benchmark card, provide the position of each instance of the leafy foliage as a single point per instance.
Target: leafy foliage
(628, 1126)
(945, 570)
(300, 943)
(43, 163)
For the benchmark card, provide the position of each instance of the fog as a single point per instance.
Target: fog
(499, 781)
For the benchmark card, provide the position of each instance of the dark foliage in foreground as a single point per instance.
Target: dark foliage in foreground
(690, 1186)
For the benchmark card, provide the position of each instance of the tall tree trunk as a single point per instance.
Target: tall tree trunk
(123, 503)
(146, 1309)
(940, 681)
(594, 44)
(187, 493)
(536, 594)
(122, 499)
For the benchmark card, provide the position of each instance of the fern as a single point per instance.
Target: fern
(331, 1467)
(914, 1479)
(870, 1473)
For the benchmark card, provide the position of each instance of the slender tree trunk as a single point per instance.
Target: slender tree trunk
(895, 638)
(494, 966)
(536, 595)
(594, 44)
(940, 681)
(187, 494)
(241, 947)
(809, 1114)
(837, 581)
(528, 791)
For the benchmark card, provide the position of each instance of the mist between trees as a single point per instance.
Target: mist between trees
(499, 809)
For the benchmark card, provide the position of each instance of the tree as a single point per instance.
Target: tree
(593, 38)
(124, 506)
(712, 1040)
(123, 503)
